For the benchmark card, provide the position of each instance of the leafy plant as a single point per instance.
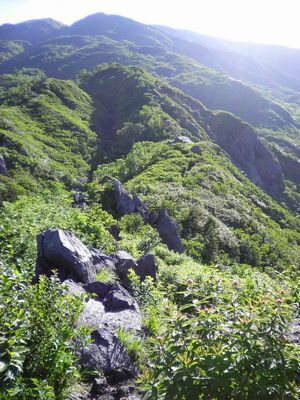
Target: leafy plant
(38, 338)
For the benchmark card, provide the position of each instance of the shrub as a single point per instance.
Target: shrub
(225, 341)
(38, 338)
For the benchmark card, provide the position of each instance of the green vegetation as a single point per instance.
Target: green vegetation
(38, 327)
(222, 217)
(224, 336)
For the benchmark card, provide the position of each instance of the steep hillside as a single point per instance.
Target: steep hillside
(44, 134)
(205, 192)
(282, 63)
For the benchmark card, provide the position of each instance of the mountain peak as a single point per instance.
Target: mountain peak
(34, 30)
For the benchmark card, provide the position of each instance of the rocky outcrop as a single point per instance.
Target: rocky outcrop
(110, 309)
(247, 151)
(124, 203)
(140, 207)
(168, 230)
(196, 149)
(165, 225)
(3, 168)
(59, 249)
(183, 139)
(106, 315)
(145, 266)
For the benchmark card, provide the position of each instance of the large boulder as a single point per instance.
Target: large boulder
(124, 203)
(62, 250)
(168, 231)
(146, 266)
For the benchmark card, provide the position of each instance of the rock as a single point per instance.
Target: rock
(124, 263)
(140, 207)
(183, 139)
(118, 299)
(114, 230)
(79, 394)
(99, 288)
(146, 266)
(99, 385)
(3, 168)
(101, 260)
(293, 334)
(107, 353)
(247, 152)
(74, 287)
(106, 396)
(124, 203)
(196, 149)
(168, 231)
(62, 249)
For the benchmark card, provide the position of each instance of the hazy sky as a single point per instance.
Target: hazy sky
(266, 21)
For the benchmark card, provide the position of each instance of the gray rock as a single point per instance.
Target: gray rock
(293, 334)
(99, 385)
(248, 152)
(74, 288)
(196, 149)
(62, 249)
(168, 231)
(101, 260)
(183, 139)
(124, 203)
(3, 168)
(140, 207)
(106, 352)
(146, 266)
(114, 230)
(124, 262)
(118, 299)
(99, 288)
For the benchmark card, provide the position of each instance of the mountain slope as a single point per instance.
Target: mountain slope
(44, 134)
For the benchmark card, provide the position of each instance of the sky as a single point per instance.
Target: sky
(259, 21)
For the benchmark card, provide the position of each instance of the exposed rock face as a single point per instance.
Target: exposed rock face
(168, 231)
(63, 250)
(183, 139)
(111, 309)
(101, 260)
(146, 266)
(124, 203)
(124, 262)
(140, 207)
(3, 168)
(247, 152)
(165, 225)
(105, 315)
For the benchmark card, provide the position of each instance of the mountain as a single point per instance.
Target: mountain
(278, 58)
(33, 31)
(181, 153)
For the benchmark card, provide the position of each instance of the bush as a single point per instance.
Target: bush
(38, 338)
(225, 341)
